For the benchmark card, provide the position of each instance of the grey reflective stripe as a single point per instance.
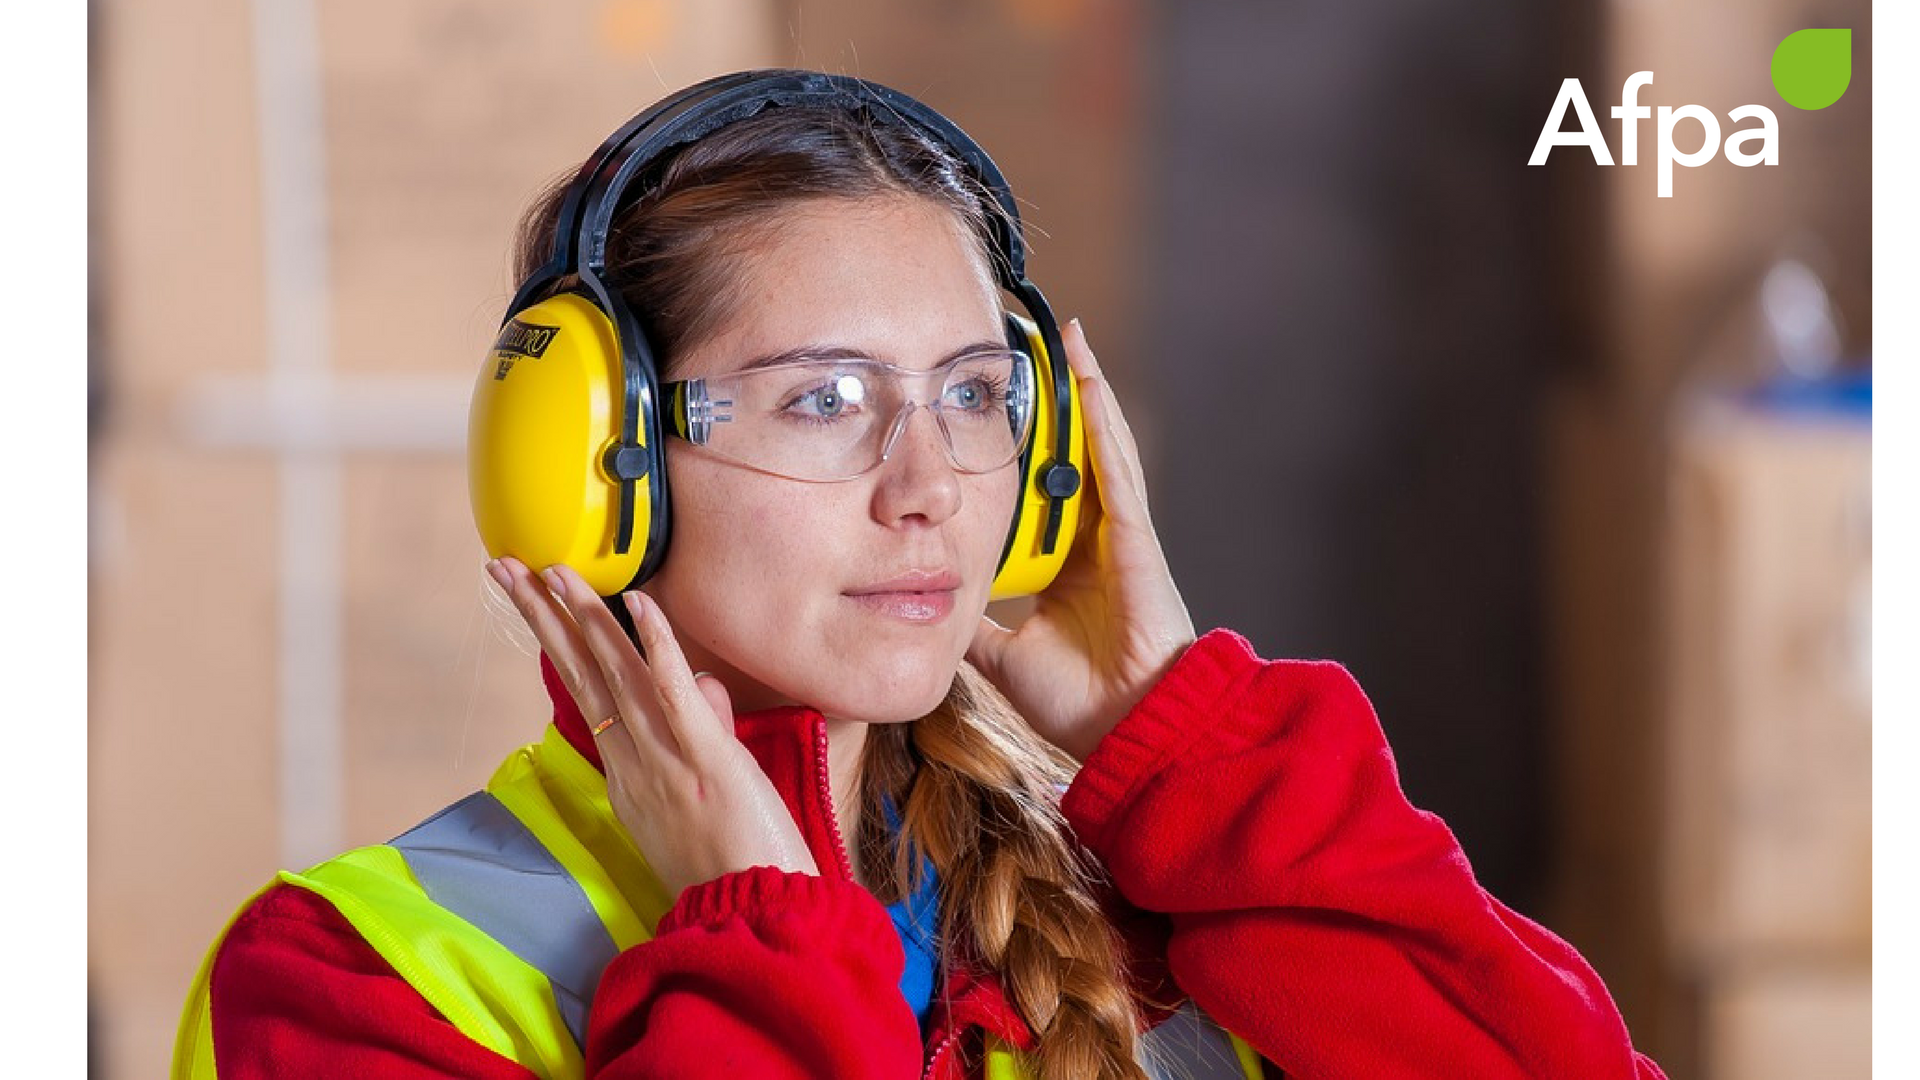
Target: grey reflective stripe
(1189, 1046)
(479, 862)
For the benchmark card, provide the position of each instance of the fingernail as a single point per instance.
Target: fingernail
(636, 606)
(551, 575)
(500, 574)
(1082, 331)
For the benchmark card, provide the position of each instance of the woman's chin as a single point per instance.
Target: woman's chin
(895, 703)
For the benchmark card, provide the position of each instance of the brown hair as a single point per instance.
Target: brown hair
(978, 790)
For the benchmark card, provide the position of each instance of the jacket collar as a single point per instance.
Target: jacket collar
(790, 744)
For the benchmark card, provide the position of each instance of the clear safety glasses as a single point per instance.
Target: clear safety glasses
(828, 420)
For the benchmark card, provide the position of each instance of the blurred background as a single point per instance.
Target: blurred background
(1575, 479)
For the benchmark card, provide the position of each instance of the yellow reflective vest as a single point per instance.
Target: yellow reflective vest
(502, 910)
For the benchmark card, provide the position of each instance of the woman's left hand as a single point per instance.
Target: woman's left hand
(1112, 622)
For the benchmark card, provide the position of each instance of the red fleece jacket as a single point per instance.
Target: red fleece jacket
(1251, 818)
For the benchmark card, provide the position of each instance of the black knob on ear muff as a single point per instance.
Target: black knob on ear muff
(1060, 480)
(626, 462)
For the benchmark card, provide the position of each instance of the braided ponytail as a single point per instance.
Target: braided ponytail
(981, 800)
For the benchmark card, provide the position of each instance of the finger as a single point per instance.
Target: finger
(627, 677)
(690, 714)
(1116, 456)
(581, 671)
(560, 638)
(989, 645)
(1120, 433)
(717, 698)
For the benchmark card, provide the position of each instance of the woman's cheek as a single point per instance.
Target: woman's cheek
(997, 504)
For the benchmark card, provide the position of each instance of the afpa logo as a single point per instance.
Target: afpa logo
(1811, 69)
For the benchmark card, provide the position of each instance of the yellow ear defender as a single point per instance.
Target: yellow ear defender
(565, 461)
(1038, 542)
(545, 414)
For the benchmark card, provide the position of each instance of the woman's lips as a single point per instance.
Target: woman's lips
(918, 595)
(915, 607)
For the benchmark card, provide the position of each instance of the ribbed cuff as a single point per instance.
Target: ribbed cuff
(760, 891)
(1172, 715)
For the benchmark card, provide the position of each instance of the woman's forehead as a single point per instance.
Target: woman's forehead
(901, 282)
(829, 351)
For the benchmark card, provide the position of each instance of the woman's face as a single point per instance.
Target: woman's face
(769, 582)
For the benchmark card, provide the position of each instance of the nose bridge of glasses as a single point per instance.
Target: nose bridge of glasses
(903, 416)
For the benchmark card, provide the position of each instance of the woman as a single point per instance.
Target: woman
(828, 819)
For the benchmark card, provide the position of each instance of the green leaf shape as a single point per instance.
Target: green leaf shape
(1811, 68)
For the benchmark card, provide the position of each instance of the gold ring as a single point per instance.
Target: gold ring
(612, 719)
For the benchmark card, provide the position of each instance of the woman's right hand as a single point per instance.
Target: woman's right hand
(689, 793)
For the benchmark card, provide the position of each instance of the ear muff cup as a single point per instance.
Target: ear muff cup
(546, 409)
(1025, 567)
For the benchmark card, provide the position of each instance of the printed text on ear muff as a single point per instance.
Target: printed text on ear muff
(521, 341)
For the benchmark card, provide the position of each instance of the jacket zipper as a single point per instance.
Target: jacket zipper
(825, 785)
(823, 781)
(934, 1061)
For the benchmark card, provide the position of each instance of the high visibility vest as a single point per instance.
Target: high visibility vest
(503, 909)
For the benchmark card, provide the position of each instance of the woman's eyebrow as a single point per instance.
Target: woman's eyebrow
(848, 352)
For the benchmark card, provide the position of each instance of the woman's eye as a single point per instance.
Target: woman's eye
(824, 403)
(974, 395)
(830, 400)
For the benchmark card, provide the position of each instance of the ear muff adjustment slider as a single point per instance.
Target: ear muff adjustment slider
(1060, 481)
(627, 465)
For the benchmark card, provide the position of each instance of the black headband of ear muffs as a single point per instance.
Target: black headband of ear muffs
(586, 215)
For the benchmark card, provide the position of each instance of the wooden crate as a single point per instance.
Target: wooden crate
(1768, 570)
(1789, 1023)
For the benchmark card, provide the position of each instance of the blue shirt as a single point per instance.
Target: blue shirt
(916, 919)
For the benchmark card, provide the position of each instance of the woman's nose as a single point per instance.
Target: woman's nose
(918, 478)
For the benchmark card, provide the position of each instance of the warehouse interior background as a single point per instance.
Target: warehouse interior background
(1574, 478)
